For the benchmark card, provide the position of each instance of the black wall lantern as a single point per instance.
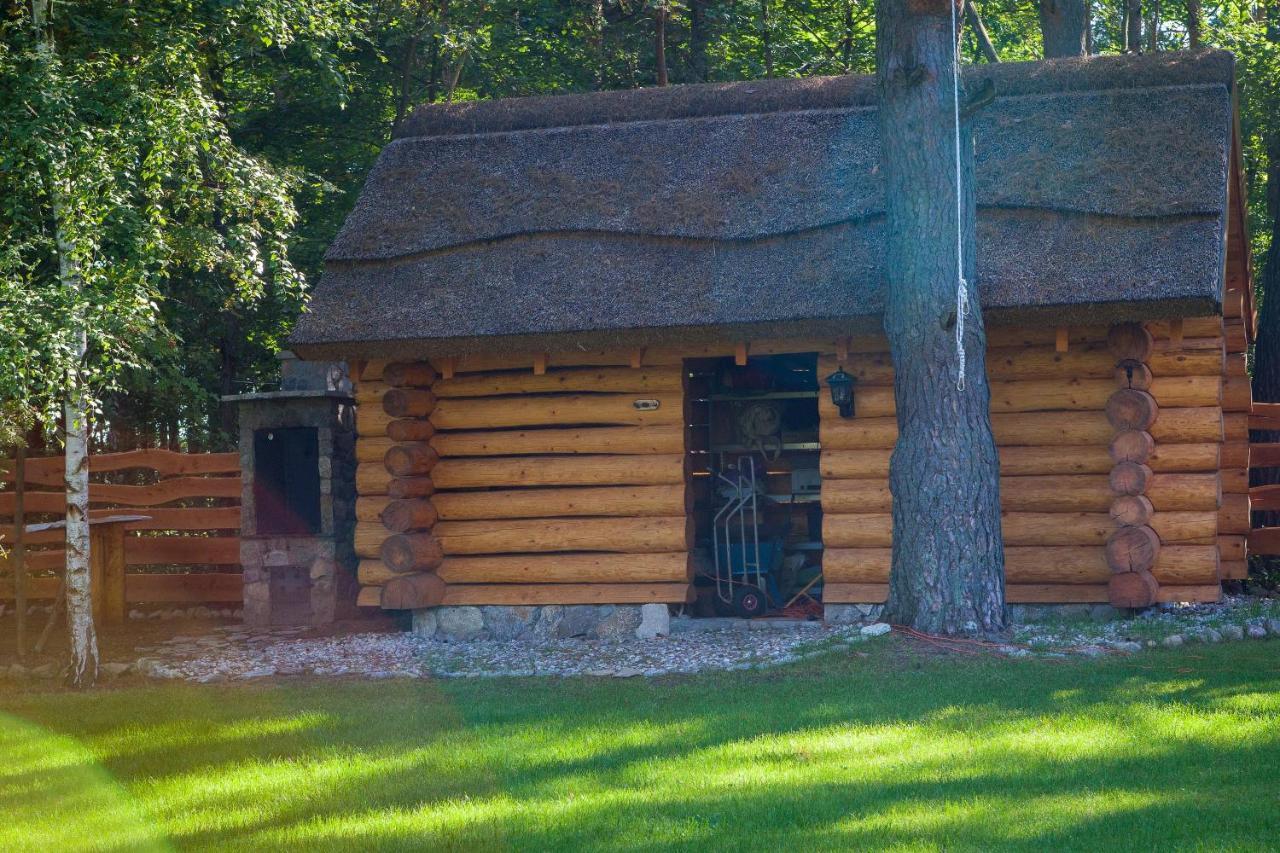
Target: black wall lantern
(841, 385)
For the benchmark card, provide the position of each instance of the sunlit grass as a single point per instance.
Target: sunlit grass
(1168, 750)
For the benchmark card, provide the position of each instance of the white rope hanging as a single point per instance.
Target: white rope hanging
(962, 287)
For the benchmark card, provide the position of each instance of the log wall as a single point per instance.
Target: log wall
(1095, 484)
(537, 479)
(554, 479)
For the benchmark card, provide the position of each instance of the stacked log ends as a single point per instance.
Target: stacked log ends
(410, 554)
(1133, 549)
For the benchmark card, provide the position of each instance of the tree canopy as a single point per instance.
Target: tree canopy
(208, 151)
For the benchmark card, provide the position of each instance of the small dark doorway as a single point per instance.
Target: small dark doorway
(754, 429)
(286, 485)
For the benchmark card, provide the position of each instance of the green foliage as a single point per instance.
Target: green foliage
(212, 149)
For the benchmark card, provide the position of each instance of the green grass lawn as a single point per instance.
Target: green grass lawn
(1164, 750)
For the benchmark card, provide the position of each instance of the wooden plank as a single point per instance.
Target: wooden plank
(182, 550)
(1265, 540)
(1264, 498)
(165, 491)
(196, 587)
(1233, 570)
(1264, 455)
(593, 593)
(48, 470)
(1056, 593)
(1265, 416)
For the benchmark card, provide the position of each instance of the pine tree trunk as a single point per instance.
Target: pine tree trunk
(1133, 26)
(660, 43)
(699, 40)
(948, 565)
(1195, 23)
(1063, 24)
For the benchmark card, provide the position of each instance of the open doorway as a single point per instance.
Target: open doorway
(753, 447)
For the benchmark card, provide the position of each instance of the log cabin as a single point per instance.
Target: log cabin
(569, 317)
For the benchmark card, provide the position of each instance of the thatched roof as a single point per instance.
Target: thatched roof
(753, 209)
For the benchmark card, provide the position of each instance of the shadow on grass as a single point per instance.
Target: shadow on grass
(1163, 749)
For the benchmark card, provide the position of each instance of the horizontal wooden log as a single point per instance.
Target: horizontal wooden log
(856, 496)
(410, 429)
(854, 464)
(664, 500)
(558, 471)
(1187, 425)
(558, 410)
(412, 592)
(1029, 528)
(1234, 516)
(371, 420)
(1180, 564)
(1236, 335)
(1132, 589)
(408, 402)
(606, 440)
(1233, 570)
(373, 572)
(540, 535)
(1013, 593)
(403, 516)
(1236, 425)
(405, 553)
(1239, 454)
(646, 380)
(858, 433)
(1132, 549)
(410, 460)
(1129, 409)
(1205, 593)
(1184, 458)
(1130, 340)
(372, 478)
(1131, 510)
(1237, 394)
(368, 538)
(1235, 481)
(1185, 492)
(48, 470)
(182, 550)
(369, 508)
(369, 394)
(411, 487)
(674, 567)
(1050, 395)
(590, 593)
(1192, 327)
(374, 448)
(409, 374)
(369, 596)
(1081, 361)
(1233, 547)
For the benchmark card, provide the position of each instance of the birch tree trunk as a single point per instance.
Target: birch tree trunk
(76, 578)
(948, 565)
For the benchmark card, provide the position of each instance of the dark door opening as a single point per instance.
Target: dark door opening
(286, 481)
(754, 475)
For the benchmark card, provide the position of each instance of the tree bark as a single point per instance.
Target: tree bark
(1153, 27)
(948, 556)
(1133, 26)
(980, 32)
(699, 39)
(660, 43)
(766, 38)
(1195, 23)
(1062, 26)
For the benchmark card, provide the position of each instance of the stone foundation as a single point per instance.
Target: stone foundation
(549, 621)
(851, 614)
(1019, 614)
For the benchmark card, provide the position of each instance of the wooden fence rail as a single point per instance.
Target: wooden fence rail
(192, 503)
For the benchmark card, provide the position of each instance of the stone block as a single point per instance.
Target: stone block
(425, 622)
(620, 622)
(508, 622)
(460, 623)
(655, 621)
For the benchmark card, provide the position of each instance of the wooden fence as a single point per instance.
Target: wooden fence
(193, 504)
